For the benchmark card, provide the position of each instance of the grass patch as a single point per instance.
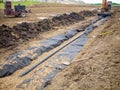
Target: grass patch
(114, 4)
(26, 3)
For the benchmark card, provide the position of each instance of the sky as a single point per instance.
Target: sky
(99, 1)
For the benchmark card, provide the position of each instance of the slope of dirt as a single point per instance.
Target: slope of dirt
(98, 64)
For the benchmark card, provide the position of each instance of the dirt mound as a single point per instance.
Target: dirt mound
(44, 25)
(7, 36)
(86, 13)
(25, 31)
(67, 19)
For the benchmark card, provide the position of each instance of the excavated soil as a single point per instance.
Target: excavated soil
(98, 64)
(25, 31)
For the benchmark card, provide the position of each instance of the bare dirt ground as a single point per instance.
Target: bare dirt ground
(42, 11)
(98, 64)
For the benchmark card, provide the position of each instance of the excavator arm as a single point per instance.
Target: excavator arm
(104, 4)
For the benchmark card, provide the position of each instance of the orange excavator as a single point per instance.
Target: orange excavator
(105, 9)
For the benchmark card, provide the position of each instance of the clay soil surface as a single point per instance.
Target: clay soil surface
(97, 67)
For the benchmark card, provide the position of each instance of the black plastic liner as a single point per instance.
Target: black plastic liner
(23, 58)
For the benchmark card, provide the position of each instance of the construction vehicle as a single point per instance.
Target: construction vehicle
(106, 9)
(18, 11)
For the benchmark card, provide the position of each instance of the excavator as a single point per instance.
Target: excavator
(105, 9)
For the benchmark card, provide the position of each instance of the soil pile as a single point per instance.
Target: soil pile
(86, 13)
(7, 37)
(67, 19)
(44, 25)
(25, 31)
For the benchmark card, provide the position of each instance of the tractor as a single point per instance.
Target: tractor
(18, 11)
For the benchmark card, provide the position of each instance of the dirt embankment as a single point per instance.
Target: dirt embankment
(98, 64)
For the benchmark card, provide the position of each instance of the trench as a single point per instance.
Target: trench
(42, 76)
